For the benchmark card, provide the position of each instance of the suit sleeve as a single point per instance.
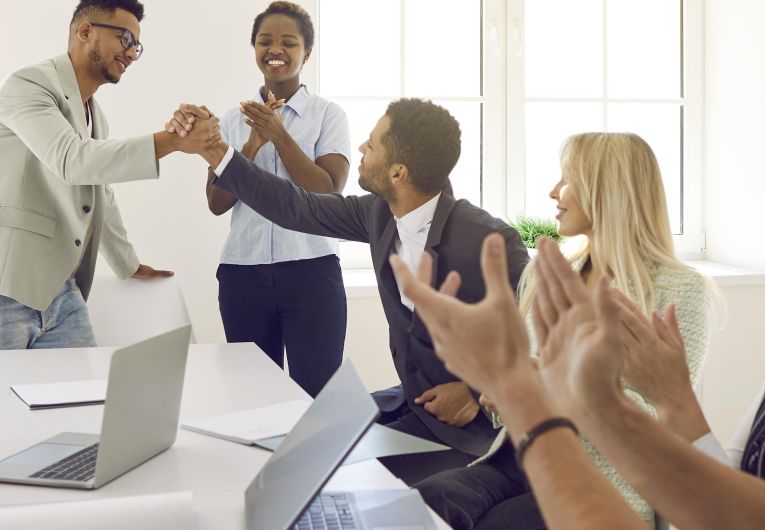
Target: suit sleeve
(115, 247)
(32, 112)
(289, 206)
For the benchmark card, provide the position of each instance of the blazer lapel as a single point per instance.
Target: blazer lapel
(384, 248)
(100, 127)
(443, 210)
(72, 93)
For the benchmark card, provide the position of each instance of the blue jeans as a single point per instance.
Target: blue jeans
(63, 324)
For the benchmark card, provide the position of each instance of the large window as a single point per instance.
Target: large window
(372, 52)
(521, 76)
(605, 65)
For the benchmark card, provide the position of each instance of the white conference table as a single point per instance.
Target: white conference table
(220, 378)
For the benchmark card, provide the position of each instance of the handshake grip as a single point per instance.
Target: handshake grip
(196, 127)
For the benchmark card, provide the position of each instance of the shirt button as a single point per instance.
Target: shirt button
(411, 368)
(77, 242)
(86, 209)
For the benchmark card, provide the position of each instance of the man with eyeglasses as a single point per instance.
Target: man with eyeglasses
(56, 208)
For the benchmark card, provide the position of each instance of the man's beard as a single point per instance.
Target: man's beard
(97, 65)
(377, 183)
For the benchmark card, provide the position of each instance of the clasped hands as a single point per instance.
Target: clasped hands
(198, 128)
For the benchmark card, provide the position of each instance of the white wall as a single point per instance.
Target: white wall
(734, 140)
(734, 199)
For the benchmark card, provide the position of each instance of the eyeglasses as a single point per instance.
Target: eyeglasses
(127, 39)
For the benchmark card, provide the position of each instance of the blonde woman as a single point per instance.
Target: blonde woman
(611, 205)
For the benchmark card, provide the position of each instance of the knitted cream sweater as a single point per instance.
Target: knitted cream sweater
(690, 293)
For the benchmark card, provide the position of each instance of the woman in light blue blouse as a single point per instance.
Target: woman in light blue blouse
(280, 288)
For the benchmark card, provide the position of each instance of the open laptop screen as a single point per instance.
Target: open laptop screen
(311, 452)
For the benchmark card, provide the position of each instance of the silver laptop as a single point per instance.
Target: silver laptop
(280, 497)
(140, 420)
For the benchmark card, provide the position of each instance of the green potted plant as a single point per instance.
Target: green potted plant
(530, 228)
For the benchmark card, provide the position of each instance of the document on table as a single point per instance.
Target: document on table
(68, 394)
(249, 426)
(267, 426)
(379, 441)
(166, 511)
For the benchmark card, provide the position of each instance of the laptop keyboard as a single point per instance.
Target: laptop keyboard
(330, 511)
(80, 467)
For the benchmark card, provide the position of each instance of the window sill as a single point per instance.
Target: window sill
(362, 283)
(725, 275)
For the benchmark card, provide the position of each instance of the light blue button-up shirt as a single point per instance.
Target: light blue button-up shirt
(319, 127)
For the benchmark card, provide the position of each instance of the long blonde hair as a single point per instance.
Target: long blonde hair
(617, 181)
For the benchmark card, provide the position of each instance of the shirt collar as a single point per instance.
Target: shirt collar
(298, 102)
(419, 218)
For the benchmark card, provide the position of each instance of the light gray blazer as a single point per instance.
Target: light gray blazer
(54, 182)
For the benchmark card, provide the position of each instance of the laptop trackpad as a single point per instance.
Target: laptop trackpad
(393, 509)
(38, 457)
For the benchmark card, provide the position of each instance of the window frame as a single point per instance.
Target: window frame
(689, 244)
(493, 187)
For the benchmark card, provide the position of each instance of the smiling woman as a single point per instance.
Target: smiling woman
(280, 288)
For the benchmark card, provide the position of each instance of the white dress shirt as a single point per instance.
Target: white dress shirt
(413, 231)
(709, 445)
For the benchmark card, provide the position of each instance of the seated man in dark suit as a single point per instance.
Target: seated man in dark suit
(406, 165)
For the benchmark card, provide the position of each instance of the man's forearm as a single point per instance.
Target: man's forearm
(164, 144)
(214, 154)
(570, 490)
(688, 488)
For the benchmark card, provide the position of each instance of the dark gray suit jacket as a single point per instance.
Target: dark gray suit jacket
(455, 239)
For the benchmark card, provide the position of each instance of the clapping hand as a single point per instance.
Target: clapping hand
(265, 121)
(485, 344)
(579, 334)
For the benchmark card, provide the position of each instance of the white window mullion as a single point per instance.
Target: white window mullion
(605, 65)
(516, 111)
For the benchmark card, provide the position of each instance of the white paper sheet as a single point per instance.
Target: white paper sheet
(166, 511)
(68, 394)
(248, 426)
(379, 441)
(267, 426)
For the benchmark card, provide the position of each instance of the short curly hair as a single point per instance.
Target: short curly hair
(92, 8)
(295, 12)
(426, 139)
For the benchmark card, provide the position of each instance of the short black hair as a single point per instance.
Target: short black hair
(295, 12)
(426, 139)
(92, 8)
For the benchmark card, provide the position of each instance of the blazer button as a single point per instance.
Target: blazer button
(86, 209)
(77, 242)
(411, 368)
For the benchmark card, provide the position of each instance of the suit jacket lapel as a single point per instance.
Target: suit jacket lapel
(443, 210)
(72, 92)
(385, 247)
(100, 127)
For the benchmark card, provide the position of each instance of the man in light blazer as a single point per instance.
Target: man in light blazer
(56, 208)
(406, 166)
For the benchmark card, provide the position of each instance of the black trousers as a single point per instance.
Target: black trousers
(493, 495)
(414, 468)
(299, 305)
